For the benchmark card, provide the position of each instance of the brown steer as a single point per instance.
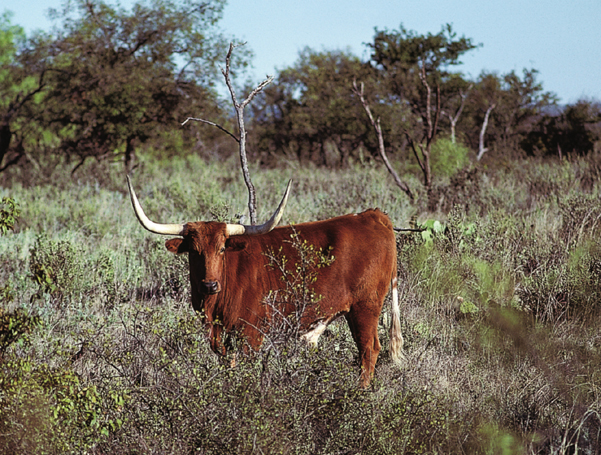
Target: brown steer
(230, 275)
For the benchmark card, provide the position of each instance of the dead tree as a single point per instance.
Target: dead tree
(239, 108)
(430, 129)
(381, 148)
(481, 149)
(455, 118)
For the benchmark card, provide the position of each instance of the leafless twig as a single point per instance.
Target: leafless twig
(239, 108)
(381, 148)
(212, 124)
(481, 149)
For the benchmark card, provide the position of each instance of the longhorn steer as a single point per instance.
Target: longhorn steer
(230, 275)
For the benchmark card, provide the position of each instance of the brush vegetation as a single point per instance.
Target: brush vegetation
(101, 351)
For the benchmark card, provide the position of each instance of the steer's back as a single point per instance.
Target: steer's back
(363, 247)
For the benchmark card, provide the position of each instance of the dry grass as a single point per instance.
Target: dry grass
(499, 313)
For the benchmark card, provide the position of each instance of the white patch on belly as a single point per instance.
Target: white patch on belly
(312, 336)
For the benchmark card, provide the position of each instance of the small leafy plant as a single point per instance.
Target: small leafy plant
(289, 304)
(9, 214)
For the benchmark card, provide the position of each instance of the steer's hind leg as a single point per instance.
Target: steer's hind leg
(364, 328)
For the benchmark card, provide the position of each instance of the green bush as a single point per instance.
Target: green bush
(8, 215)
(14, 327)
(57, 268)
(448, 158)
(47, 410)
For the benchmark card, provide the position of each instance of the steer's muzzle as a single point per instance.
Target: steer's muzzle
(210, 287)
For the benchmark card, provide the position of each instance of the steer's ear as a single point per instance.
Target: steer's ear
(176, 246)
(235, 243)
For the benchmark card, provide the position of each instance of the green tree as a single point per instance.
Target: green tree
(121, 78)
(582, 127)
(574, 130)
(415, 70)
(309, 108)
(521, 102)
(23, 79)
(504, 109)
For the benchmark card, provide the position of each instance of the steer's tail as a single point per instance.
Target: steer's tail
(396, 338)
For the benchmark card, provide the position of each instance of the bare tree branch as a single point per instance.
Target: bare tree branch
(382, 149)
(455, 118)
(239, 108)
(411, 142)
(431, 130)
(11, 162)
(422, 77)
(260, 87)
(481, 149)
(212, 124)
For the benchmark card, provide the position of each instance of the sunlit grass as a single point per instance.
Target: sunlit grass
(499, 315)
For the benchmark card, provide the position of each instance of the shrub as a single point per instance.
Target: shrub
(48, 410)
(57, 268)
(288, 305)
(8, 215)
(448, 158)
(14, 327)
(463, 190)
(581, 214)
(511, 367)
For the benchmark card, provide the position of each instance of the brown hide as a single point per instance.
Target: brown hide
(231, 277)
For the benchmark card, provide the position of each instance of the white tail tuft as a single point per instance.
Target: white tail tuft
(396, 338)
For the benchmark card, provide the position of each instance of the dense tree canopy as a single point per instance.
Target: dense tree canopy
(130, 75)
(112, 81)
(23, 76)
(576, 129)
(412, 85)
(511, 104)
(113, 78)
(309, 108)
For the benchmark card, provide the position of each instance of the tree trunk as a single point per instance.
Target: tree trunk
(453, 123)
(239, 107)
(5, 138)
(455, 119)
(431, 130)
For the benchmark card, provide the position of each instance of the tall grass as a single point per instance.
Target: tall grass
(101, 351)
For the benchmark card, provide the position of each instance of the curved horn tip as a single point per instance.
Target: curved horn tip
(239, 229)
(286, 194)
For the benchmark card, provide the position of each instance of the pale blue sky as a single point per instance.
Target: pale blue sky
(561, 39)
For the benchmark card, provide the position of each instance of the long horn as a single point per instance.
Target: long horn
(239, 229)
(165, 229)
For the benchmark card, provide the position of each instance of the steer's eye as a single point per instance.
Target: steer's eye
(222, 250)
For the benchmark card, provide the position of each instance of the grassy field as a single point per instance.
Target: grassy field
(102, 353)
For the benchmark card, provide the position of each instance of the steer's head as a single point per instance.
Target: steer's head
(205, 242)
